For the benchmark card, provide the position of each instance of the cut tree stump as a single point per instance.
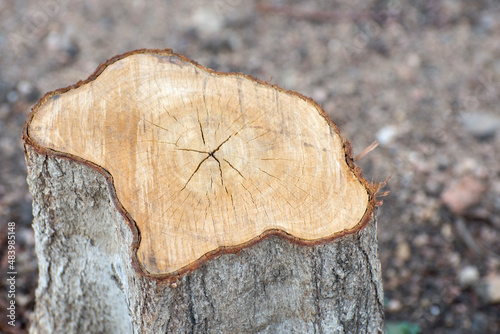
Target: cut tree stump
(170, 198)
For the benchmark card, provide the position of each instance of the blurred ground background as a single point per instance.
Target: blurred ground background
(422, 77)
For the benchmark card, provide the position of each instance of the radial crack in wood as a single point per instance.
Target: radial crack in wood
(204, 162)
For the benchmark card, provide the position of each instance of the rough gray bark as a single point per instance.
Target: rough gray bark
(87, 283)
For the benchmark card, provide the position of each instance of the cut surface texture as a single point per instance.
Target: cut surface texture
(202, 162)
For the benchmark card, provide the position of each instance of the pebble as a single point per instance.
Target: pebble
(26, 237)
(413, 60)
(454, 259)
(29, 91)
(207, 20)
(62, 46)
(486, 24)
(23, 299)
(433, 187)
(386, 134)
(435, 311)
(4, 111)
(481, 125)
(403, 251)
(479, 323)
(447, 232)
(467, 165)
(421, 240)
(394, 305)
(488, 289)
(468, 276)
(12, 97)
(320, 95)
(461, 196)
(405, 72)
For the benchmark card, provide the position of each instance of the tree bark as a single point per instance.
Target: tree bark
(91, 279)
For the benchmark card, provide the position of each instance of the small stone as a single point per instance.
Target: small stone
(386, 134)
(394, 305)
(320, 95)
(447, 232)
(24, 87)
(468, 276)
(26, 237)
(480, 323)
(378, 45)
(62, 46)
(425, 303)
(480, 125)
(467, 166)
(432, 187)
(421, 240)
(461, 196)
(435, 311)
(403, 251)
(207, 20)
(454, 259)
(486, 24)
(12, 96)
(448, 320)
(4, 111)
(413, 60)
(23, 299)
(488, 289)
(27, 90)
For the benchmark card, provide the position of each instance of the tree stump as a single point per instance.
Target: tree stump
(170, 198)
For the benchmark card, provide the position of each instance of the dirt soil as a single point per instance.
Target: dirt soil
(422, 77)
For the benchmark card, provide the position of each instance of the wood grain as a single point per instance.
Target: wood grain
(202, 161)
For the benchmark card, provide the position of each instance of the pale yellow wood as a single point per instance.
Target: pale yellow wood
(202, 160)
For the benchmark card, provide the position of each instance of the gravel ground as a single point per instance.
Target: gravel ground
(421, 77)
